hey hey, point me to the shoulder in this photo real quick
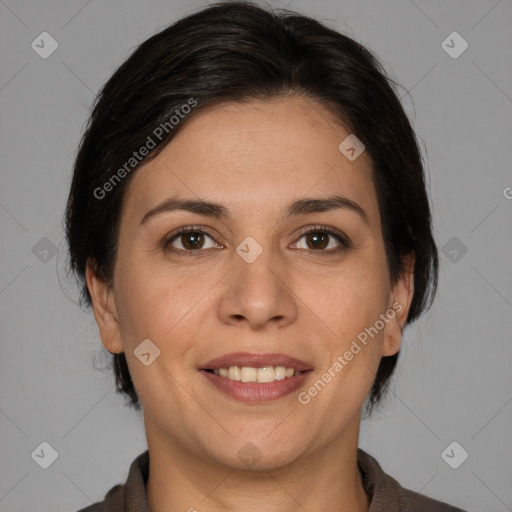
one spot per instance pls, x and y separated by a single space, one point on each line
386 494
130 496
415 502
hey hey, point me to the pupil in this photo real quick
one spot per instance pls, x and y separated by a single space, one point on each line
192 240
318 237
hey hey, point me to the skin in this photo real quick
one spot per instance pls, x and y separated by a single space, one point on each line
254 158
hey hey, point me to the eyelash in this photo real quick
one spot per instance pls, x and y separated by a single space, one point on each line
342 239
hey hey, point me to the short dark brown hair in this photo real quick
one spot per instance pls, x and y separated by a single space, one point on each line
237 51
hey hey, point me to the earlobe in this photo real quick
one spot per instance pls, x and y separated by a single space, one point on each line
400 303
104 308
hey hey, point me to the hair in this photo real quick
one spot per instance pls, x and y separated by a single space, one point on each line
236 52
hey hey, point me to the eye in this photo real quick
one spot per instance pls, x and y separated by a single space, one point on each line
189 239
321 238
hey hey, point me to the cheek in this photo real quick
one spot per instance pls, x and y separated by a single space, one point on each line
350 298
143 300
156 301
350 304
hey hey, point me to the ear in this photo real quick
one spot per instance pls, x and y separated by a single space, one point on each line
400 303
104 308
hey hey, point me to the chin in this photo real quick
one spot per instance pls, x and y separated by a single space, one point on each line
261 455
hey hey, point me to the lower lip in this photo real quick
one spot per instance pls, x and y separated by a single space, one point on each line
257 391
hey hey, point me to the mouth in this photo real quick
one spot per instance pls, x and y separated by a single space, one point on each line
256 377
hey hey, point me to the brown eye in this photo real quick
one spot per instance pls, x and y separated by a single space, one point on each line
189 240
317 240
192 240
323 240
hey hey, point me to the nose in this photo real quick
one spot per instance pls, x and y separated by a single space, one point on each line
258 293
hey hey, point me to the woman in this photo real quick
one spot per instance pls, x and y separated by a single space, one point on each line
249 220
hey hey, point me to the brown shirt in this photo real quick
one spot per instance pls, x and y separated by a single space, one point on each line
386 494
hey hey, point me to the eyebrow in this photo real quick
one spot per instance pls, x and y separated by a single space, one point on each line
303 206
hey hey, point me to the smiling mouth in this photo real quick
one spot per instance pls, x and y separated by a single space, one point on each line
263 375
256 385
256 377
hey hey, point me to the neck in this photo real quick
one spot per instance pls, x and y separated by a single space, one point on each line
328 480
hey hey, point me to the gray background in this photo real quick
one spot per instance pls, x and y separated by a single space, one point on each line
453 382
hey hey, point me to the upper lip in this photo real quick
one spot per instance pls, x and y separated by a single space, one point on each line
254 360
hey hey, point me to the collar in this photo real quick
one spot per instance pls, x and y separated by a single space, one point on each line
385 493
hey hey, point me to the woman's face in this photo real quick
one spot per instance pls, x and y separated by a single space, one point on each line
249 284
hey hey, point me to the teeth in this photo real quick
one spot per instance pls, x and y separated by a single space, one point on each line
233 373
280 372
266 374
249 374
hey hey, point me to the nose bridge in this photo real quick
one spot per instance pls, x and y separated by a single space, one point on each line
256 271
257 290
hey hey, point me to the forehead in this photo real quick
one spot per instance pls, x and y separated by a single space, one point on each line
255 155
